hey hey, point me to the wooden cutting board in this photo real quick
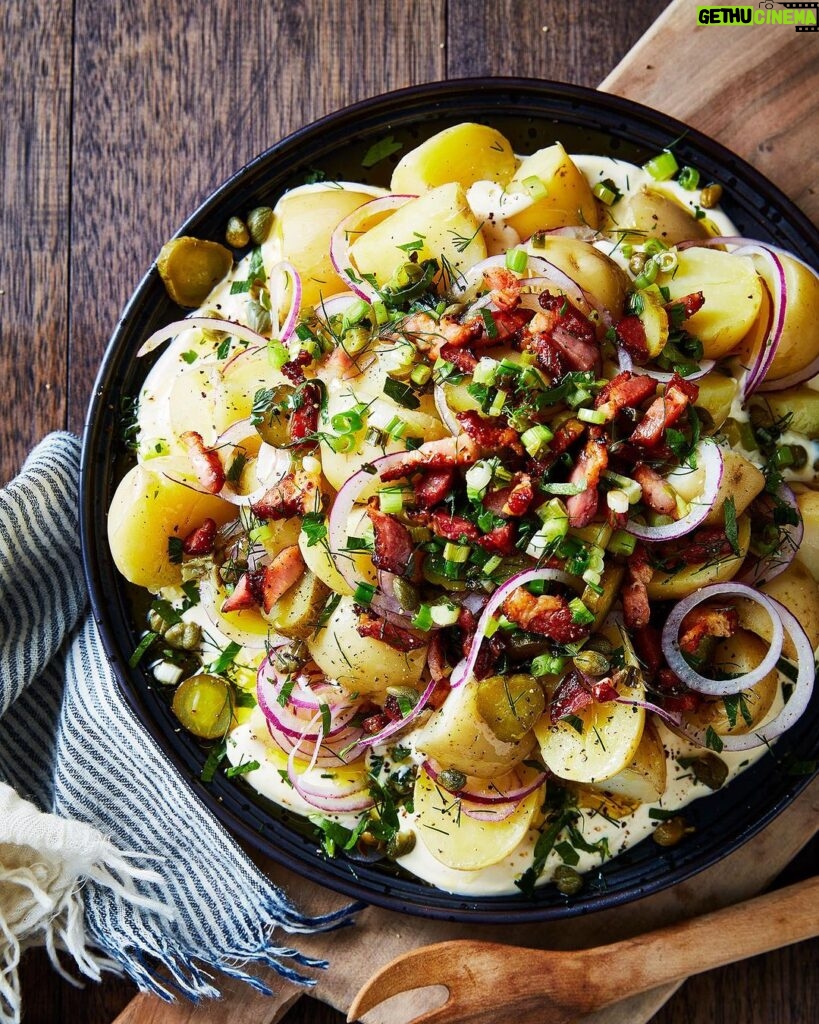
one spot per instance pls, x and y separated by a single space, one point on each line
753 89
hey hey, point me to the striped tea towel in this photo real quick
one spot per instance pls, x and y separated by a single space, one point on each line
109 856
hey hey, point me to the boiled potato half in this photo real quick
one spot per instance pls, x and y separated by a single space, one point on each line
460 841
732 291
650 213
568 198
643 780
665 586
798 591
595 272
808 554
149 508
440 219
465 153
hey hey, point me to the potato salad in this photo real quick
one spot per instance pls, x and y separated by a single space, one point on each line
479 515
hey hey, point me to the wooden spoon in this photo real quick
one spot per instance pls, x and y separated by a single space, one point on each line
544 987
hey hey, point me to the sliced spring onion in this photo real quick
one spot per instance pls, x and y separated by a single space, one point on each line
517 260
663 166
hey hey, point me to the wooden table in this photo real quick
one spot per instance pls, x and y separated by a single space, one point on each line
119 117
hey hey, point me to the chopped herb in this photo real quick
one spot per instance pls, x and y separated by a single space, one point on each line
314 527
415 245
461 242
712 740
660 814
286 690
234 473
190 356
241 769
190 589
401 393
489 323
567 853
335 836
243 699
729 512
214 759
380 150
314 177
141 648
166 611
327 611
574 721
175 550
226 658
326 719
543 847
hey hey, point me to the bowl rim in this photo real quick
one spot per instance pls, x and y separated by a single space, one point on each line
379 111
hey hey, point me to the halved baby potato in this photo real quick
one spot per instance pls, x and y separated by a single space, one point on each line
568 198
643 780
594 271
650 213
672 586
465 153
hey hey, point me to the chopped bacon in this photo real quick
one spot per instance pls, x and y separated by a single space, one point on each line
508 325
206 463
453 527
649 649
294 495
572 695
264 586
604 690
433 487
200 541
394 550
634 594
436 658
500 541
449 451
708 544
563 326
304 419
294 369
490 434
664 411
388 633
429 334
549 615
682 702
375 723
513 500
592 461
504 287
626 390
706 620
691 304
656 492
565 436
461 358
632 336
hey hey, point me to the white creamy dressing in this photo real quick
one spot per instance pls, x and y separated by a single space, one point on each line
250 740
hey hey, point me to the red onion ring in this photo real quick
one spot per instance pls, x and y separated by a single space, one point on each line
339 804
799 698
390 730
711 457
211 605
205 323
514 796
762 360
447 415
340 244
336 304
720 687
463 670
290 723
282 270
771 565
272 465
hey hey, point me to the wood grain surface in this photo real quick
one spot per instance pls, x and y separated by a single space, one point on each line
120 117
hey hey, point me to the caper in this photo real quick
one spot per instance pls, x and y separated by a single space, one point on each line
710 196
708 769
236 233
406 594
203 706
510 705
591 663
259 223
273 425
451 780
401 844
637 262
671 831
403 693
258 318
208 334
190 267
185 636
567 880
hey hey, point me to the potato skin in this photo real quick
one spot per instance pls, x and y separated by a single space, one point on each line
595 272
568 199
465 153
651 212
808 554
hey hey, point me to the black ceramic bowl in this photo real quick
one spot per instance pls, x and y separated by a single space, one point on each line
531 114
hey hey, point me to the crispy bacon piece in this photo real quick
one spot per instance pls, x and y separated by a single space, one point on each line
708 544
626 390
294 495
294 369
264 586
433 487
691 304
394 550
657 494
513 500
649 649
388 633
461 358
592 461
706 620
449 451
200 541
560 326
682 702
453 527
664 411
430 335
504 287
206 463
549 615
565 436
500 541
304 419
571 696
634 594
490 434
436 658
632 336
509 323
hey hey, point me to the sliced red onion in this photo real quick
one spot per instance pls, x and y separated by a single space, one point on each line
340 240
289 721
237 432
205 323
447 415
239 358
277 278
500 812
797 377
762 360
770 566
337 304
463 670
797 702
253 641
513 796
710 456
327 755
397 726
272 465
349 802
720 687
673 718
343 506
664 376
